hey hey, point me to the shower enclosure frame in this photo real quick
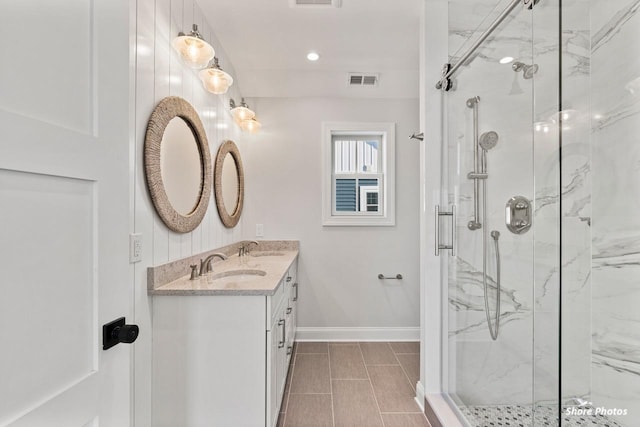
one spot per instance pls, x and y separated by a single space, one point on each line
432 388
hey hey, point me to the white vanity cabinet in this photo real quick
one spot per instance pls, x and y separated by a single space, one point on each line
222 360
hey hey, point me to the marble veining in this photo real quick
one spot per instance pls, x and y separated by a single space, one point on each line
549 195
599 262
612 28
615 354
628 108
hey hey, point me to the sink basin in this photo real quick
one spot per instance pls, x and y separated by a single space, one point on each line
266 253
237 276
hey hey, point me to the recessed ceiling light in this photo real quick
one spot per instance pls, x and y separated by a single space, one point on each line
506 60
313 56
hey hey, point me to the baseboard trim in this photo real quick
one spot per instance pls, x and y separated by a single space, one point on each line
358 334
420 395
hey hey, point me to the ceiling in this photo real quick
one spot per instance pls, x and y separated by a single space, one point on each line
267 41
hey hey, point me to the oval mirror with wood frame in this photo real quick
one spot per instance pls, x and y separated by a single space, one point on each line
228 184
178 164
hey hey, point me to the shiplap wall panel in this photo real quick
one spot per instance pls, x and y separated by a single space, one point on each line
160 73
161 76
144 102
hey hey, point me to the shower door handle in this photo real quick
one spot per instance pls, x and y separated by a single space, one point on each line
440 246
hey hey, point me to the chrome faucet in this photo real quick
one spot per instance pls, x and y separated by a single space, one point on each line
244 249
205 266
248 246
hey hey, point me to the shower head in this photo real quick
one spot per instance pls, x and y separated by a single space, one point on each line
488 140
527 70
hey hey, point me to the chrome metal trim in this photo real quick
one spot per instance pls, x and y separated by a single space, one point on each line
518 215
444 82
453 230
419 136
283 323
437 216
396 277
477 172
477 175
438 245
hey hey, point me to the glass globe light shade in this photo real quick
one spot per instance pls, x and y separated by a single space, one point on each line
250 125
242 112
215 80
193 49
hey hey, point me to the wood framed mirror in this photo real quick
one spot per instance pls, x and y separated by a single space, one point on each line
228 184
177 164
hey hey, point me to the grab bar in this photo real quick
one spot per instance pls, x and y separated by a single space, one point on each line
396 277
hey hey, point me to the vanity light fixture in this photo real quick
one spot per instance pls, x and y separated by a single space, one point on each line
214 79
193 49
251 125
242 112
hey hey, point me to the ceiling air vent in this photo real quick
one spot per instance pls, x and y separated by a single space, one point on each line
315 3
361 79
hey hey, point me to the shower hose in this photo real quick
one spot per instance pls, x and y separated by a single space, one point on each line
494 324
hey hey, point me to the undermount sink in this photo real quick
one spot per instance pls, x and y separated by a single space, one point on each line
266 253
238 275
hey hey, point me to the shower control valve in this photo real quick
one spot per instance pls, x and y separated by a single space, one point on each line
518 215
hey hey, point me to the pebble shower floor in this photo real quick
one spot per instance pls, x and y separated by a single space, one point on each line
521 416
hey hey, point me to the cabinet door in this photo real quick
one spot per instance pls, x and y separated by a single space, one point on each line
273 398
282 352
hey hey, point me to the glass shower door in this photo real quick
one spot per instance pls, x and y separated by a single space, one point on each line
500 171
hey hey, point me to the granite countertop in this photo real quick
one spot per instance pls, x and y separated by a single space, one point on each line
263 271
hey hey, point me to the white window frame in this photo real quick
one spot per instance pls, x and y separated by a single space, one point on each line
386 199
364 193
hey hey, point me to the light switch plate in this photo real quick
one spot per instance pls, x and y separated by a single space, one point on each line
259 230
135 247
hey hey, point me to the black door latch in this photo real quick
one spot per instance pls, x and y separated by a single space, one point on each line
116 332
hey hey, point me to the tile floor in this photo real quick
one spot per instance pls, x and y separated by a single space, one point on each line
368 384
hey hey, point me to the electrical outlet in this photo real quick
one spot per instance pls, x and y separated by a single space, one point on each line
259 230
135 247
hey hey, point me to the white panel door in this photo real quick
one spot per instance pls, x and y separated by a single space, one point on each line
64 212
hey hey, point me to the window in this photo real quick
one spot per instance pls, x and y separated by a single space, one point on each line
358 168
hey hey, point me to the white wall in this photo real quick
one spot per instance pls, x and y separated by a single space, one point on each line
339 266
159 73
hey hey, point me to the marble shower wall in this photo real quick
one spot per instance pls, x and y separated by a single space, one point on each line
586 196
483 371
524 361
615 91
576 191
